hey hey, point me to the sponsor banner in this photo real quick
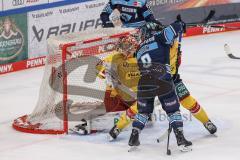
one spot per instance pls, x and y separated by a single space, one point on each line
40 61
194 31
35 2
33 5
61 20
195 11
50 1
186 4
21 65
14 4
13 38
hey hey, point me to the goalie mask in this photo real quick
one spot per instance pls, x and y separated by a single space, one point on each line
127 45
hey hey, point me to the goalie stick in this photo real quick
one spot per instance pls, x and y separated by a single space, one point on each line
228 51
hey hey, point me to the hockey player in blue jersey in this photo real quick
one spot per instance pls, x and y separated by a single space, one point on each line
153 59
133 13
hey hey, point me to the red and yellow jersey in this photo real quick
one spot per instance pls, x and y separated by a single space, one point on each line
126 68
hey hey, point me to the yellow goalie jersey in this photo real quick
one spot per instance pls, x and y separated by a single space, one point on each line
126 72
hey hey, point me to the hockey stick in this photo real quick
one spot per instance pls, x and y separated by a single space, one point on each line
120 85
229 52
130 92
126 89
221 26
169 133
203 22
162 137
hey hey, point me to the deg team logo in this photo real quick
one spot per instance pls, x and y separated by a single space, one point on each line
11 39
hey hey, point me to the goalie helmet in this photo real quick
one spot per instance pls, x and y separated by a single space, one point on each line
127 45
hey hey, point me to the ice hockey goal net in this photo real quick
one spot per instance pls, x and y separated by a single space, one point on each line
69 77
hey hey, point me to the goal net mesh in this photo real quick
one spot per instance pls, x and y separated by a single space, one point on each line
70 78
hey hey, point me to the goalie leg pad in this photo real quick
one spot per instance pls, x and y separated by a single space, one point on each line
127 117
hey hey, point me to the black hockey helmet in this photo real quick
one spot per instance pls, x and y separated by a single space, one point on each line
149 29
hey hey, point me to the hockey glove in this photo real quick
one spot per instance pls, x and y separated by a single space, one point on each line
152 26
108 25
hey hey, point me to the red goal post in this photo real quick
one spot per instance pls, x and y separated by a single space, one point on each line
63 79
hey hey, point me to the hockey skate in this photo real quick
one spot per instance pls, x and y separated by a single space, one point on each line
183 144
134 140
210 127
82 128
113 133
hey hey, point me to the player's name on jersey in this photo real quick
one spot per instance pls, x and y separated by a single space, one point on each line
131 10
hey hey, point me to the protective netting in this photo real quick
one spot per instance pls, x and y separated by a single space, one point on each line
70 78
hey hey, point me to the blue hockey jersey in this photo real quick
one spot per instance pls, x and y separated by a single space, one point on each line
133 13
156 48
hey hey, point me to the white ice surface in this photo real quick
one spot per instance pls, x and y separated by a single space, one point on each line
210 75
